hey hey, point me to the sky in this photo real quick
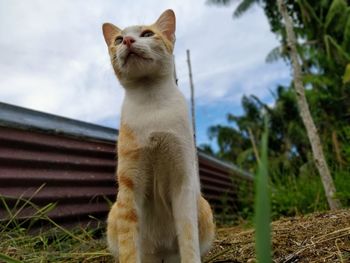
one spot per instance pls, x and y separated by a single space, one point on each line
53 57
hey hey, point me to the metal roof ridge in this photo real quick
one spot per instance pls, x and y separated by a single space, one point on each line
28 119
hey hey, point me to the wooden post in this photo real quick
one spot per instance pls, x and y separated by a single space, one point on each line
193 114
175 75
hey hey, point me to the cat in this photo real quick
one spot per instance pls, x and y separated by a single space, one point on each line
160 215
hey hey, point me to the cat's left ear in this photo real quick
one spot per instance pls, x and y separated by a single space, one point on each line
109 32
166 23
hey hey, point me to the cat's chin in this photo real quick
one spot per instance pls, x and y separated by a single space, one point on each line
134 57
135 70
138 67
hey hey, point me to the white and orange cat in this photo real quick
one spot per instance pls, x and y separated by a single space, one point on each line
160 215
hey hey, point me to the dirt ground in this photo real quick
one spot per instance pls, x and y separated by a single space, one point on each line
320 237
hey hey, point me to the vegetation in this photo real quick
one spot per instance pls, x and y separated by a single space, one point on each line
323 32
23 241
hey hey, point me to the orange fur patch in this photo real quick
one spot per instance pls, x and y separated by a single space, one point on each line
130 216
121 205
126 199
125 132
112 51
124 230
124 180
128 257
129 153
127 144
127 252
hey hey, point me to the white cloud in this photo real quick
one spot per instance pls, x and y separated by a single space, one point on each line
54 59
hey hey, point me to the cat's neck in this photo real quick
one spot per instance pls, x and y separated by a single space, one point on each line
150 90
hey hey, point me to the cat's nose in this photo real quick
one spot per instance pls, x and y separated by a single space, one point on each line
128 41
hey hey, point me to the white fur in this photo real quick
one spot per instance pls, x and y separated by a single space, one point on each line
162 108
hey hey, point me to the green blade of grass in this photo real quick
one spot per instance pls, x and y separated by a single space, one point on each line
262 205
13 216
8 259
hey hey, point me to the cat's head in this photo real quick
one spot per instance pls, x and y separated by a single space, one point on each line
139 52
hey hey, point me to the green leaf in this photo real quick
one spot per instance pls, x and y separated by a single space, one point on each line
337 9
262 205
308 10
346 41
346 77
324 3
243 7
8 259
340 51
326 43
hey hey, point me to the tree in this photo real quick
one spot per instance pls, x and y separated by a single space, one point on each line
323 31
305 114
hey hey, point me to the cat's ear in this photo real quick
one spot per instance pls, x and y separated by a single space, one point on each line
166 23
109 32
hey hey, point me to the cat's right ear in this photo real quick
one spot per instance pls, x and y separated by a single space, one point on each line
109 32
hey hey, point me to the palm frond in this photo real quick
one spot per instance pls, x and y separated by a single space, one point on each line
274 55
219 2
243 7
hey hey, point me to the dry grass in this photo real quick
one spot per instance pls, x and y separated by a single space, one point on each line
320 237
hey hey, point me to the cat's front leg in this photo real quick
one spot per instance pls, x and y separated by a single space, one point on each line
186 223
128 228
179 164
122 228
129 204
112 232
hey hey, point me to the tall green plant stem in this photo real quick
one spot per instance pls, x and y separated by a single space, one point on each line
262 205
305 114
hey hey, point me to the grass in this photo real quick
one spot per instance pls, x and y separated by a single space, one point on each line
22 240
53 245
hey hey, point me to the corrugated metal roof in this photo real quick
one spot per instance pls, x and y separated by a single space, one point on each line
74 162
18 117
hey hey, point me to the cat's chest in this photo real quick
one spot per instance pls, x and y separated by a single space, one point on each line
146 118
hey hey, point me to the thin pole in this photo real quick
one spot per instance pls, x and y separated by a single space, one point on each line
175 75
193 114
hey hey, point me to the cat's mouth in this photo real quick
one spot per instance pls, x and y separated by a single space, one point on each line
132 55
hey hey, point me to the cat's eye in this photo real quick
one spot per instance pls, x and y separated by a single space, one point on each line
147 33
118 40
